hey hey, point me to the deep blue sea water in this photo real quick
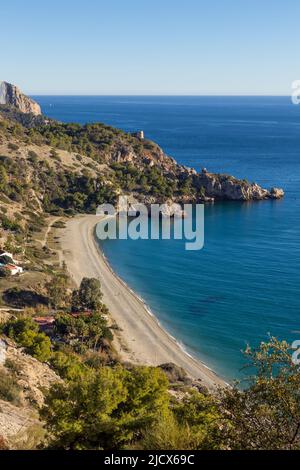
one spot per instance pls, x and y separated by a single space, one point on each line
245 283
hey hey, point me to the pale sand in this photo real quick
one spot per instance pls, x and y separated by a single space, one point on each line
143 340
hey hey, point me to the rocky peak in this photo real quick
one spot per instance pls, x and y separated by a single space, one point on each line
12 96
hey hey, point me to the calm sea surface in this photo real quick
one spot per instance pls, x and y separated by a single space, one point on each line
245 283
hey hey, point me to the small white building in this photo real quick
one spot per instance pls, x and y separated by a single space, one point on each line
139 134
13 269
8 255
5 253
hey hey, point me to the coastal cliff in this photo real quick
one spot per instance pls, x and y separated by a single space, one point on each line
118 163
12 96
192 186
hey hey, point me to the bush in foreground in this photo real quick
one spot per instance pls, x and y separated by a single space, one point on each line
9 388
114 408
106 408
26 334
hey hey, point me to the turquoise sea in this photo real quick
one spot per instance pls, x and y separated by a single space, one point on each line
245 282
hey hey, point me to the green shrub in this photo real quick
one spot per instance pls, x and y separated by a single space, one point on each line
13 366
37 345
9 224
105 408
67 365
88 296
90 331
33 157
9 388
26 334
54 155
12 146
59 224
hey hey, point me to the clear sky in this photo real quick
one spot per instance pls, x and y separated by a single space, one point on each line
151 46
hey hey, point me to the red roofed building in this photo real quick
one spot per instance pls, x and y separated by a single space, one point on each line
46 324
13 269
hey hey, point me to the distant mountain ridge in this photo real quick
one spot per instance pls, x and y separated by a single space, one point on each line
12 95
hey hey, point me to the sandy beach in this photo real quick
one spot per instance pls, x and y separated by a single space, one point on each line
141 339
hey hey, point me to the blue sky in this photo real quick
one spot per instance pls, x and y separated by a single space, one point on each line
151 46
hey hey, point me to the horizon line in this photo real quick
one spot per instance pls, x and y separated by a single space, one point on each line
159 94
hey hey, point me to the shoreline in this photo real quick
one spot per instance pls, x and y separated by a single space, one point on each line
149 312
140 339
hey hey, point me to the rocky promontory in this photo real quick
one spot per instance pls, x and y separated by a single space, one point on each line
204 186
222 186
130 164
11 95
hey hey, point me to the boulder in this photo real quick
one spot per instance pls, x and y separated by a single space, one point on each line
276 193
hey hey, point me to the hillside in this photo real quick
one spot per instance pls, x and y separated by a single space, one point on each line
110 161
23 382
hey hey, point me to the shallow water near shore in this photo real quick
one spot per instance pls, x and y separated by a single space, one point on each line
245 282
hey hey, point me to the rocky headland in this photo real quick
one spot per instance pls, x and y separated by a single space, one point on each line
12 96
122 163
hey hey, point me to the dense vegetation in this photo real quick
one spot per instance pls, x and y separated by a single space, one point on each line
94 140
111 408
26 334
150 181
104 144
62 190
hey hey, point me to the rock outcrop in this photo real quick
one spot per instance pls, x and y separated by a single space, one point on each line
20 428
12 96
220 186
211 186
34 377
20 425
276 193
